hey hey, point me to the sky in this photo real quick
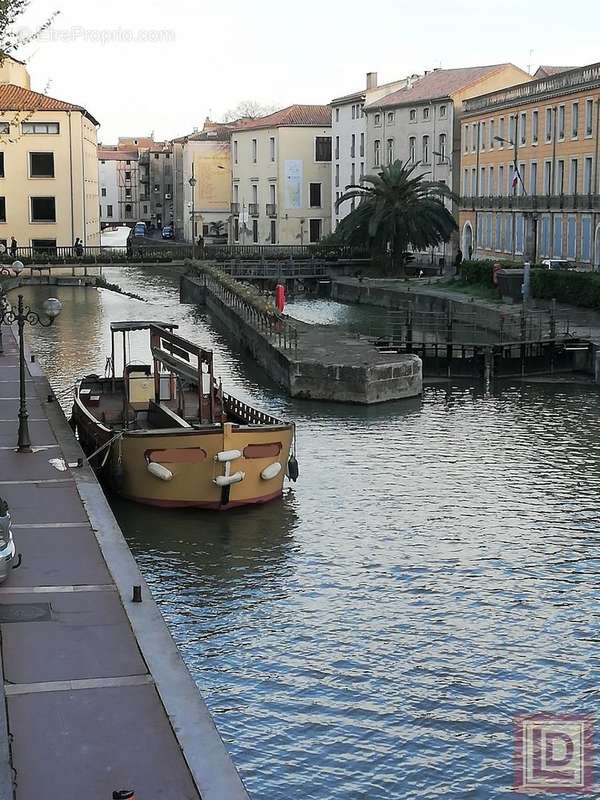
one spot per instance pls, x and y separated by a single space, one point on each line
150 66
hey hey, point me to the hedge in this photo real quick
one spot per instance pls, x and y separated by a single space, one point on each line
482 271
574 288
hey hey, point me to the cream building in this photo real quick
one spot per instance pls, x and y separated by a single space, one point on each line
281 177
120 187
204 156
48 166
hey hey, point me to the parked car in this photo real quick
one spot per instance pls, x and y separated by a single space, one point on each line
139 229
168 232
557 263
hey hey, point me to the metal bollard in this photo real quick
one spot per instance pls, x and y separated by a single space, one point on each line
137 594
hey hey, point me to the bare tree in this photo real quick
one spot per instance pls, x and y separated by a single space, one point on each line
248 109
10 37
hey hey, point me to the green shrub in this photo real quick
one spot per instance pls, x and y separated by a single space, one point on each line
575 288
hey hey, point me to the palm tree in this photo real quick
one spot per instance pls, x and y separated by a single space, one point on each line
397 209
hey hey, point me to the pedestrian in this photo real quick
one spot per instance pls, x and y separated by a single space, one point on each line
129 247
13 247
470 252
458 260
78 247
201 246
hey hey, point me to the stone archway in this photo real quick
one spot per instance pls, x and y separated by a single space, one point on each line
467 240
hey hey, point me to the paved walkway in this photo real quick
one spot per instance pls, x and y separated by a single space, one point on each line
87 675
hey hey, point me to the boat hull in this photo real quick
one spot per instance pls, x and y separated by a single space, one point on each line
189 467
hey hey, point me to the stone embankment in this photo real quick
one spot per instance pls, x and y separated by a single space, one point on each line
316 362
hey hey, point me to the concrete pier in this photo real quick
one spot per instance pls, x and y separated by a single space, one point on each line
323 363
96 696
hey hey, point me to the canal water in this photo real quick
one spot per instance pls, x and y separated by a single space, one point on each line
432 575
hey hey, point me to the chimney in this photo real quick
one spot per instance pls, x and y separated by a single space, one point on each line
371 80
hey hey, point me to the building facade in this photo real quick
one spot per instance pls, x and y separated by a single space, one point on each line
120 187
349 131
421 124
530 184
48 166
281 177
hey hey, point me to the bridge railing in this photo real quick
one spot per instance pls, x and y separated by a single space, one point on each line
97 255
281 252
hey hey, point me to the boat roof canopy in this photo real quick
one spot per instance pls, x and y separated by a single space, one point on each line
140 325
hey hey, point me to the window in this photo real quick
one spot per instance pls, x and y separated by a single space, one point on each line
491 126
466 183
127 162
412 149
474 182
43 209
523 128
145 211
40 127
426 149
575 120
482 182
353 174
353 112
560 177
128 176
512 121
272 192
466 136
586 238
377 119
412 115
314 193
390 117
103 191
235 151
362 145
236 193
337 147
362 169
205 230
255 194
43 244
377 152
587 176
426 112
535 121
442 148
492 188
501 131
390 151
442 111
337 115
109 211
128 192
315 230
547 177
128 210
167 155
156 156
501 180
323 148
589 117
255 231
236 229
273 236
4 127
2 209
571 230
533 178
573 176
561 122
254 150
272 148
337 174
353 146
548 129
482 135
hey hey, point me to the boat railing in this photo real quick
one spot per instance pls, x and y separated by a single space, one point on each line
243 411
271 324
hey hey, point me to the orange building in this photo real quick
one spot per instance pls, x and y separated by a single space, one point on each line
529 169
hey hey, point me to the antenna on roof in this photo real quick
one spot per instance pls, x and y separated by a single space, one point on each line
529 66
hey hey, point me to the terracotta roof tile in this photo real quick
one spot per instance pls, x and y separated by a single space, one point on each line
112 154
546 71
16 98
292 116
439 83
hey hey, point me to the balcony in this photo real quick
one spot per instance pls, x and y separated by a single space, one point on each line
253 209
235 208
271 210
536 202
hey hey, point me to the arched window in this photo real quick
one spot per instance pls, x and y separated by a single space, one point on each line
412 149
426 149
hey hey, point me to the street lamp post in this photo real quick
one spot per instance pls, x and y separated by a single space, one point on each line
16 267
23 315
192 182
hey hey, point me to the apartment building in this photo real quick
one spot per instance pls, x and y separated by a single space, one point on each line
48 166
119 177
203 157
530 183
421 123
349 131
281 177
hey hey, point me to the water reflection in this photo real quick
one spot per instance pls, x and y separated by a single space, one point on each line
433 572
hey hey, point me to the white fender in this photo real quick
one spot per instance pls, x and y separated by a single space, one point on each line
229 480
159 471
228 455
270 472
